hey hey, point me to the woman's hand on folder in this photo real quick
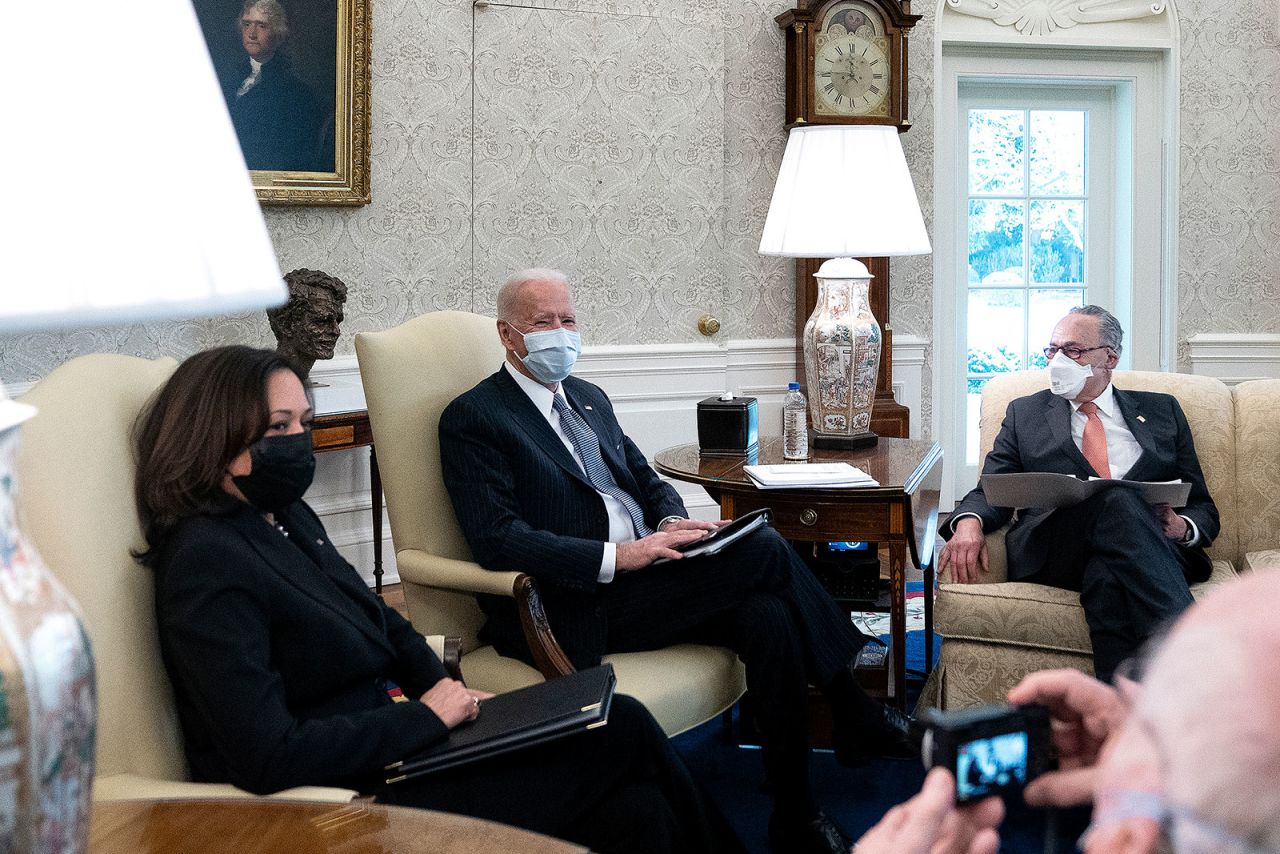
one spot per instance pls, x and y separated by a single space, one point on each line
453 702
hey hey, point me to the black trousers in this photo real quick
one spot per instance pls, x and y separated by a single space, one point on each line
759 599
1132 579
619 789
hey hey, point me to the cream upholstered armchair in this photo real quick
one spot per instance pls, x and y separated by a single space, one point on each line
410 374
996 632
76 468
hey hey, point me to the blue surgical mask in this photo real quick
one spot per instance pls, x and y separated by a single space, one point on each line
552 354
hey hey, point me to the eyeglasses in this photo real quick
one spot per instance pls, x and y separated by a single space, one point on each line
1071 352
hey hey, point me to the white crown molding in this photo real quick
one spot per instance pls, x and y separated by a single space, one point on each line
1042 17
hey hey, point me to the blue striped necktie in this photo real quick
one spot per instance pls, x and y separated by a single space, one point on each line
587 444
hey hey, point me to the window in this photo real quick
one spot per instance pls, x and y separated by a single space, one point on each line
1053 187
1038 215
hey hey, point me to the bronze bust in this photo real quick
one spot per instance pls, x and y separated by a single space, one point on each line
306 327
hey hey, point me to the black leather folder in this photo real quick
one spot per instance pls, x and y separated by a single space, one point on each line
517 719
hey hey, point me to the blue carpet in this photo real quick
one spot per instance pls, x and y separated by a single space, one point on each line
854 798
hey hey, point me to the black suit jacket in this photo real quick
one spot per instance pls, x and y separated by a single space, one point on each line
276 650
279 121
1036 436
524 505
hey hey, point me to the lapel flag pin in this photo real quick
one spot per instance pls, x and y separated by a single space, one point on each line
1142 420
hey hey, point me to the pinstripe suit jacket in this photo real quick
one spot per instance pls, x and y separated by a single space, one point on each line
524 505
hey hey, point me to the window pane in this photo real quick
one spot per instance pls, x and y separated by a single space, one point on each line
1057 152
996 320
1057 242
996 151
995 243
1047 307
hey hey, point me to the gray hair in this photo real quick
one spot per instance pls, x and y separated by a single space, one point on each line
1108 327
276 15
509 295
1211 699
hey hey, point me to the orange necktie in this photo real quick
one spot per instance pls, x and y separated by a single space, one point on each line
1094 445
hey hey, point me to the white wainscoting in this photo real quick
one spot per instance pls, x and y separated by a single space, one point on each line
1235 357
654 389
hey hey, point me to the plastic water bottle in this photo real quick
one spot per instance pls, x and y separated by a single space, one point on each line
795 434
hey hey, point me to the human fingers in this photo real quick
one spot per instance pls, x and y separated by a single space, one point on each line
690 525
963 824
964 564
481 695
1062 788
678 537
985 841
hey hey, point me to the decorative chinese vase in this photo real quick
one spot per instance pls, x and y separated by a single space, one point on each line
48 699
842 357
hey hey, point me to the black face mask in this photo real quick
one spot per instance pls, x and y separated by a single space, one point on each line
283 468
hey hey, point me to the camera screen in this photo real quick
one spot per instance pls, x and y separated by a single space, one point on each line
985 765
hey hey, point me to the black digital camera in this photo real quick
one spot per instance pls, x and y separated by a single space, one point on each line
990 749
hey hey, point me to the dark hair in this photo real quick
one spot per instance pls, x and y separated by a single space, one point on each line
212 408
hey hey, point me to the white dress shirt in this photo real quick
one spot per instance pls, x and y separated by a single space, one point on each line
621 528
1123 449
255 72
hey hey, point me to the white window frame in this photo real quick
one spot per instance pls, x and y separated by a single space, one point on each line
1142 79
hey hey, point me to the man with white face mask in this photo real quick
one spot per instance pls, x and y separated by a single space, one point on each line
1130 562
543 481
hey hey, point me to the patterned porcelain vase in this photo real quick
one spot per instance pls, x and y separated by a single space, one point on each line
841 360
48 701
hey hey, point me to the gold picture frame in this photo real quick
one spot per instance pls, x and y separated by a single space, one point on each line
300 101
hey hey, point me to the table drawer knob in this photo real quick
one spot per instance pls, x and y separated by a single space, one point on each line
809 517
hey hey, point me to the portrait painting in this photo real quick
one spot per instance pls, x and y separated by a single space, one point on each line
295 78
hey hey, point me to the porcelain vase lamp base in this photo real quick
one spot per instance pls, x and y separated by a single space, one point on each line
48 701
842 357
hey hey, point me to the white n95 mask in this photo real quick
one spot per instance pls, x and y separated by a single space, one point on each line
1067 376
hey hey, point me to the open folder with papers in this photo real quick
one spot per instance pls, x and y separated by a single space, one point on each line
809 476
1051 489
522 718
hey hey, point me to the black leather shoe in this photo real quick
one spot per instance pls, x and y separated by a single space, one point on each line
885 734
820 836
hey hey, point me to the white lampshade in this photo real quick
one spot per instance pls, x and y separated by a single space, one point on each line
844 191
127 196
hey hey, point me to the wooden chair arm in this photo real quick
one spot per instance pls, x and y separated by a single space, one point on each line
452 657
419 567
548 657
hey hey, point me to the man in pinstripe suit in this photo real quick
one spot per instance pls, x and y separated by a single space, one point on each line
544 481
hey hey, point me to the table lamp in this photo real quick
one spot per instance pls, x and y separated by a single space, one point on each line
843 191
133 203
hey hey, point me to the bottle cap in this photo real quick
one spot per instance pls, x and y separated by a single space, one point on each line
793 386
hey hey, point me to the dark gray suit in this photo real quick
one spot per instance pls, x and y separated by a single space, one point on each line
524 504
1110 548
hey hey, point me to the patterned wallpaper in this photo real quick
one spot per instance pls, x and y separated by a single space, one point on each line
635 145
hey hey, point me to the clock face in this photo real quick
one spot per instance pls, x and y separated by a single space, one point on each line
851 75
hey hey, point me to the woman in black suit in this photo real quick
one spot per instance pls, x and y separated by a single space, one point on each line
286 669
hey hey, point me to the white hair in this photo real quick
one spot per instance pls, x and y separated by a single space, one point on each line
512 290
1212 701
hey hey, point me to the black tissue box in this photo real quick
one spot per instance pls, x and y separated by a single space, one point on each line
729 427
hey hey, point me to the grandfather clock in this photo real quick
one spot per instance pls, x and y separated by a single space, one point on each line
847 64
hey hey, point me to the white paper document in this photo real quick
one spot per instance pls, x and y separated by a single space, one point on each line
1050 489
809 476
